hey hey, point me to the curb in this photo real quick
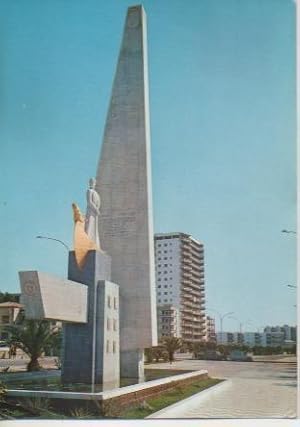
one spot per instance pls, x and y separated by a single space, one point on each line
188 401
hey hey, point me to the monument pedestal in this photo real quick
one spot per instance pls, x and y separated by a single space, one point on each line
91 350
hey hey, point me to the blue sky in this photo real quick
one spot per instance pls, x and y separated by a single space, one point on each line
223 123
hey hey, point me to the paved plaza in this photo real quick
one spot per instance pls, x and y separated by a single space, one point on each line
253 390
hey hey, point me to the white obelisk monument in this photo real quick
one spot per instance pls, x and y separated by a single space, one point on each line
124 184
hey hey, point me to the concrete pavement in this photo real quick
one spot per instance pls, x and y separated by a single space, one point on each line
254 390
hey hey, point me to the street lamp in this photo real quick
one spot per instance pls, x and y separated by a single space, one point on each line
56 240
221 317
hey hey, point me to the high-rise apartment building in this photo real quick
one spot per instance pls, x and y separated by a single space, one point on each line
179 262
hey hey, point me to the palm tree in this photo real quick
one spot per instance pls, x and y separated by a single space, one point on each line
171 344
31 336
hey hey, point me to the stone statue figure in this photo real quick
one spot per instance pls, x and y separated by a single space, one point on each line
82 242
92 213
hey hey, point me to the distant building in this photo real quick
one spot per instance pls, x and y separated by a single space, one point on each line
273 336
179 262
168 321
225 338
289 332
210 329
280 335
9 312
253 339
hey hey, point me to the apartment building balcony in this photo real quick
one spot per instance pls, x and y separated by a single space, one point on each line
187 318
193 285
186 281
195 273
186 310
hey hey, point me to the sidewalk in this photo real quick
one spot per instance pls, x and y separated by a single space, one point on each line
253 390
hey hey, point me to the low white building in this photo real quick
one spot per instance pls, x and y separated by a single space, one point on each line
269 338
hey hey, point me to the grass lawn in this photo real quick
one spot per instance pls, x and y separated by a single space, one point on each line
154 404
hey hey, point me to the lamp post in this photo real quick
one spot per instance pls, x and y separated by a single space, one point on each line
221 317
56 240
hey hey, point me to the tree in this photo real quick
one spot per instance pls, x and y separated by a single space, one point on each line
224 350
171 344
149 354
211 345
198 349
158 353
32 337
53 348
7 297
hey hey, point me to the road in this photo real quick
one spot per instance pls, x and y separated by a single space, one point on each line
253 390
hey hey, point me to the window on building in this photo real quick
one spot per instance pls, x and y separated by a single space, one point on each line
108 324
165 265
108 301
159 286
115 303
165 257
107 346
114 347
115 324
5 319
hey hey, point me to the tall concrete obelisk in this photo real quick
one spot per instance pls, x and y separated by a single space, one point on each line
124 185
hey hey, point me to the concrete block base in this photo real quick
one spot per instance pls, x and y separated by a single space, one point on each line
132 364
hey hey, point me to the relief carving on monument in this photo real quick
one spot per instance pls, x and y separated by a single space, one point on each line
122 225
